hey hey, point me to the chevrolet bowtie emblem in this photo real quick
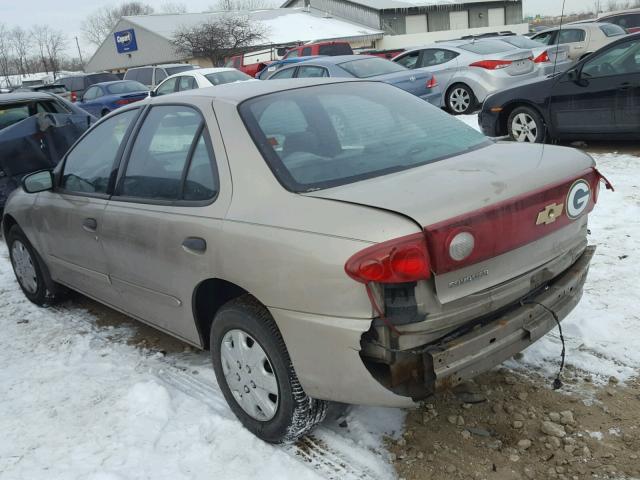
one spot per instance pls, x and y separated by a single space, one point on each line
550 214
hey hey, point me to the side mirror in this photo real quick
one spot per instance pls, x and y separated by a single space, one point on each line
38 181
573 75
153 93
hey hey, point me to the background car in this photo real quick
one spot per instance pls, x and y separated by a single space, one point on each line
270 68
320 48
78 84
200 78
102 98
57 88
581 38
153 75
548 59
469 70
421 84
627 19
36 130
598 98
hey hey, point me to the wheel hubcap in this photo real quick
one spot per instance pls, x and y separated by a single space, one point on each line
249 375
460 100
524 128
23 267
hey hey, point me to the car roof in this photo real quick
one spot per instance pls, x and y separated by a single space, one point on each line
337 59
238 92
163 65
587 25
24 96
618 12
111 82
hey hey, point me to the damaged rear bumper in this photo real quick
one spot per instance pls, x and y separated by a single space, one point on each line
466 355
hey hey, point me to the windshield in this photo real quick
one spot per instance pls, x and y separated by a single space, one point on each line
330 135
180 69
522 42
127 86
230 76
371 67
486 47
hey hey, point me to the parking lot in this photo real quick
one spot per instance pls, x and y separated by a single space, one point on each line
95 395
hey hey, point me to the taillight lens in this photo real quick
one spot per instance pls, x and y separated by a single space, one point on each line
405 259
127 101
432 83
542 58
492 64
74 97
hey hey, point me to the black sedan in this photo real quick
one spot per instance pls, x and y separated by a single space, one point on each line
598 98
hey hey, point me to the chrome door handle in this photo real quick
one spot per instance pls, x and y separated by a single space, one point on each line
90 225
194 244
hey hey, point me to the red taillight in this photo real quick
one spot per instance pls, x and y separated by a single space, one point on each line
492 64
542 58
74 97
127 101
404 259
432 83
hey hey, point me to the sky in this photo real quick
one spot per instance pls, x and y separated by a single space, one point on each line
68 15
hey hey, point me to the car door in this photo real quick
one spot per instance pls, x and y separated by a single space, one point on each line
577 39
71 214
163 223
600 94
442 62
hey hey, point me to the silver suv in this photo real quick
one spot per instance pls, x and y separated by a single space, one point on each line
326 240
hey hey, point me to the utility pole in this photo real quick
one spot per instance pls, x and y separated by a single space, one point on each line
79 52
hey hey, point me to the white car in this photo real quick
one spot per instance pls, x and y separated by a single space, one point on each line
582 38
200 78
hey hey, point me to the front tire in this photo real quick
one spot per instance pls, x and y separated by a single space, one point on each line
525 125
30 271
460 99
256 375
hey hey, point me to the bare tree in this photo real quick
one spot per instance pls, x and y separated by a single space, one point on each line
173 7
54 46
226 35
238 5
101 22
39 34
21 45
5 54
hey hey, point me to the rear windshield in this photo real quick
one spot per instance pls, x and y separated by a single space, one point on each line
329 135
180 69
611 30
51 88
522 42
371 67
486 47
219 78
127 86
337 49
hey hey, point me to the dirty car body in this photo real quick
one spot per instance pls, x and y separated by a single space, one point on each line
395 249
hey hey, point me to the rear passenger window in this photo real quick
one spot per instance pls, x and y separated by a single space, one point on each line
167 139
160 75
87 168
312 72
145 76
187 83
571 36
306 51
201 182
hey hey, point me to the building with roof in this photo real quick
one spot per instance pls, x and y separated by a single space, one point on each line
147 39
422 21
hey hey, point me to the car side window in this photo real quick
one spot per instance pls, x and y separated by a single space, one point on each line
547 38
145 76
187 82
201 182
167 87
410 60
306 51
433 56
160 153
91 94
292 54
312 72
622 59
572 35
284 73
160 75
88 166
77 84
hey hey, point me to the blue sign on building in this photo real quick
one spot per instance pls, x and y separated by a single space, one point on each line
126 41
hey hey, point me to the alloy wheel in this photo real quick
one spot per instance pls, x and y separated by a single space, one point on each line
524 128
249 375
460 100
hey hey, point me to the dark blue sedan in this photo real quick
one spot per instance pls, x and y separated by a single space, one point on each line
420 83
102 98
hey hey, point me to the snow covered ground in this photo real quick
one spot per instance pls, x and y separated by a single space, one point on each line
79 402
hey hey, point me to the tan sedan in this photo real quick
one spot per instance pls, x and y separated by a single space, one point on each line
327 240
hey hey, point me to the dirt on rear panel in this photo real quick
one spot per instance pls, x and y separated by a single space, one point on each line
524 430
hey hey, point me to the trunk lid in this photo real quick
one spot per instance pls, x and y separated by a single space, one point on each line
497 194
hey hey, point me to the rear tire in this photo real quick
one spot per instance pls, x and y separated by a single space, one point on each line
526 125
256 375
460 100
30 271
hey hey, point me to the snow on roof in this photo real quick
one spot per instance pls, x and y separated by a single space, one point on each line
401 4
282 25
